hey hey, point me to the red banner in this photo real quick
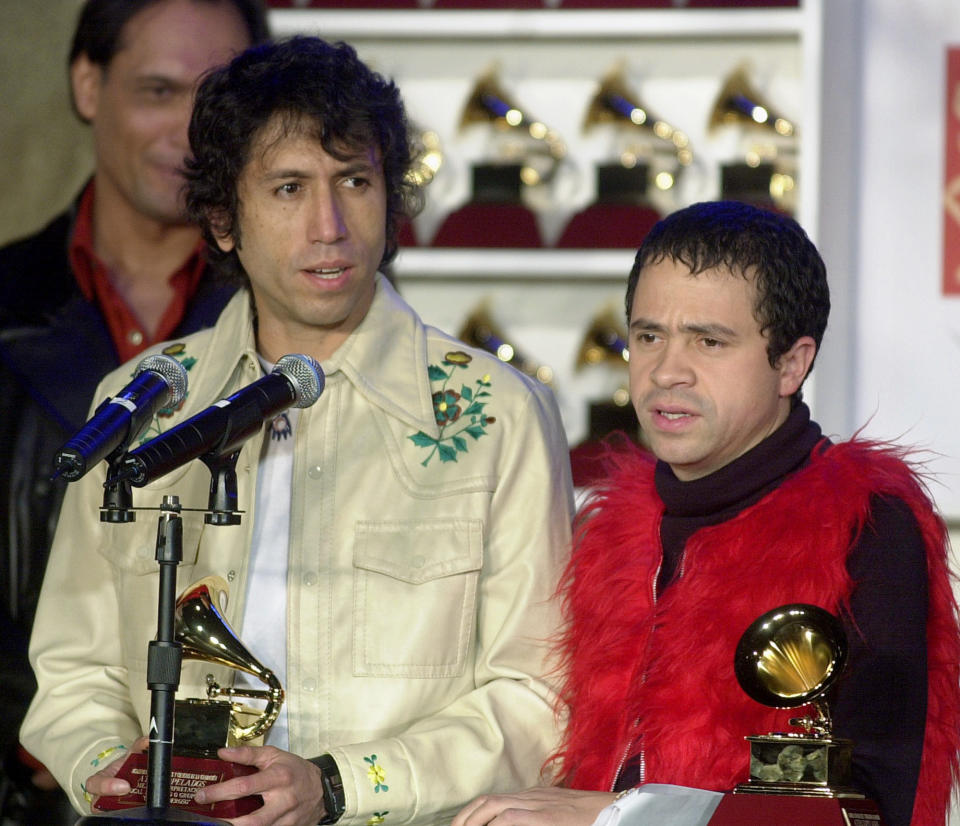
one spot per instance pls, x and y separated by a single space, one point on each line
951 177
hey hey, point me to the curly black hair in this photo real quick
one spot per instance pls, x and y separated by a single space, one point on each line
792 296
309 84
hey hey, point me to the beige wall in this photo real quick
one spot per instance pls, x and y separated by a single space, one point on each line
44 150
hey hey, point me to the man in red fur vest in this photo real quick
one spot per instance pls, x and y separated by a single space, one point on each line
744 506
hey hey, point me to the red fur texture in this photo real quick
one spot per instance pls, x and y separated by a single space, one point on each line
658 676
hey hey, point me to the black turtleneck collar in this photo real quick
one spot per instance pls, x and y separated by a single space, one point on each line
722 494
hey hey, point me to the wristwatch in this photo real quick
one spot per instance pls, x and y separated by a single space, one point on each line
333 798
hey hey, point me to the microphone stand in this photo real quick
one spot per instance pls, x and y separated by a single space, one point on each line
164 656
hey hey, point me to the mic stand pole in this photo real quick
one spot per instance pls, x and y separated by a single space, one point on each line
163 677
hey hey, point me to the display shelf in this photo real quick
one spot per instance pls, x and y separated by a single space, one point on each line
534 265
550 24
550 61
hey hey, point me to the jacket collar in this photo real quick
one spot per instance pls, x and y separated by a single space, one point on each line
385 358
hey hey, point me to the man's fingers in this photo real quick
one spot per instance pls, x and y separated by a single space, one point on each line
465 817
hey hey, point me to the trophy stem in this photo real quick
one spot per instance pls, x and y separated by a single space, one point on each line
164 658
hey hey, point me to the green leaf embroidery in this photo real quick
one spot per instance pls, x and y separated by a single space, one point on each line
452 418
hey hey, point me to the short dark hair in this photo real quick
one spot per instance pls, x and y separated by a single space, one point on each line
100 25
311 85
793 299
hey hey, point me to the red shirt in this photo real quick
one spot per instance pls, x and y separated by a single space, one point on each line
92 277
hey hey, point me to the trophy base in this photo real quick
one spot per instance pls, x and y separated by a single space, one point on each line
149 817
187 775
787 810
796 789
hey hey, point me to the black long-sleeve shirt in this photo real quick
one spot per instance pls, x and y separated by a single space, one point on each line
880 702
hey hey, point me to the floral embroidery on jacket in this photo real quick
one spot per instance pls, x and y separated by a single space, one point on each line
377 818
463 409
377 774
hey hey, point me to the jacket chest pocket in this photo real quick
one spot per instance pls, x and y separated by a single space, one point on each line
131 551
415 594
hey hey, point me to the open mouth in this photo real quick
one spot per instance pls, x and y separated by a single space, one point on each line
328 273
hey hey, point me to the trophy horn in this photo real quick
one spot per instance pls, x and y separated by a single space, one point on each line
615 103
479 330
790 657
489 103
206 636
604 341
739 103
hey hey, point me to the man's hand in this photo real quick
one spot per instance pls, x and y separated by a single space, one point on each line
105 783
289 785
546 806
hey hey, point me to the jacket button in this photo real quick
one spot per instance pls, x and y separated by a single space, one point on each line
231 576
310 578
315 472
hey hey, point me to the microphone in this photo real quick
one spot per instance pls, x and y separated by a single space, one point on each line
296 381
160 381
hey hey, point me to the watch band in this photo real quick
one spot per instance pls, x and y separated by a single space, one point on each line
333 798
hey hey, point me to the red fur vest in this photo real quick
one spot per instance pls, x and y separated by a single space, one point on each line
663 668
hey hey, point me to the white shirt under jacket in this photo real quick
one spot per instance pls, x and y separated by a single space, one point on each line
422 559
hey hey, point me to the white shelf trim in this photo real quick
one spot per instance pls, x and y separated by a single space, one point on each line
516 264
426 24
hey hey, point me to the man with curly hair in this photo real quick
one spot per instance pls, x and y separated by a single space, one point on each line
401 537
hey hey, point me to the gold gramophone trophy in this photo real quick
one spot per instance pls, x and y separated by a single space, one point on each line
767 170
616 103
479 330
790 657
201 726
526 139
605 344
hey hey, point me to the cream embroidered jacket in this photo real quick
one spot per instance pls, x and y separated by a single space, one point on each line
430 514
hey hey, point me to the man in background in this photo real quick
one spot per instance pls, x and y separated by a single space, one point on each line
119 270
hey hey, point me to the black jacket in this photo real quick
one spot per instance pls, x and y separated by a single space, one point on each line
54 349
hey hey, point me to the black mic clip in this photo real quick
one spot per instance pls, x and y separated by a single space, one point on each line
117 507
222 505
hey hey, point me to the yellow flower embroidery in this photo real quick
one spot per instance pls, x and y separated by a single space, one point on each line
377 774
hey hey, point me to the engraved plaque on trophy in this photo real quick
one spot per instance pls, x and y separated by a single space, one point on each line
790 657
201 726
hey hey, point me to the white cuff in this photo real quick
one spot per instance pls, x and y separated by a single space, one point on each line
661 804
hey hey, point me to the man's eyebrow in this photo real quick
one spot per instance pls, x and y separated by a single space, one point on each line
646 324
712 329
286 172
151 76
350 168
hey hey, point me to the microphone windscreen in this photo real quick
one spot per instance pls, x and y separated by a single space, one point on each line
306 376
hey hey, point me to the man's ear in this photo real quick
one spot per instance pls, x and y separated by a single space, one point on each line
795 364
85 79
218 228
